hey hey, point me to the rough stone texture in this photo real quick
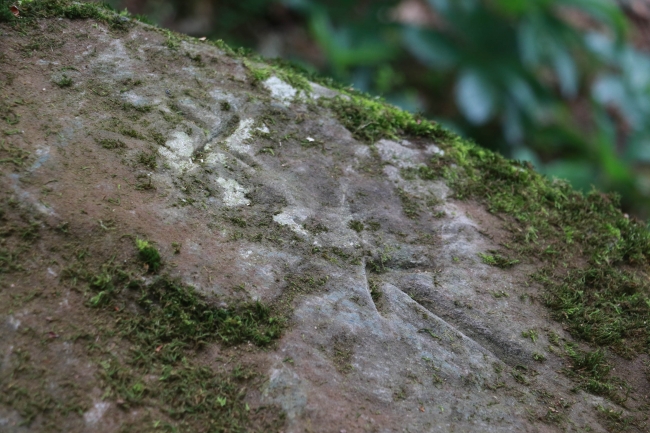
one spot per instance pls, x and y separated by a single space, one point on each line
398 327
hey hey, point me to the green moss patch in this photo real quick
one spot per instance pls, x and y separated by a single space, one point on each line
599 290
149 255
371 120
140 340
494 258
603 305
33 9
262 72
592 372
596 258
170 324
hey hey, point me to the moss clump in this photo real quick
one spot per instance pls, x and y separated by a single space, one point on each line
148 159
497 259
259 73
34 9
410 204
371 120
157 137
601 289
64 81
593 374
13 154
170 322
174 313
357 226
108 143
603 305
149 255
556 218
423 172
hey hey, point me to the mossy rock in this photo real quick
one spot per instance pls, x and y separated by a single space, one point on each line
195 239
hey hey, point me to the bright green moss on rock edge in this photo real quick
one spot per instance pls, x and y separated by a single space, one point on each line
32 9
595 258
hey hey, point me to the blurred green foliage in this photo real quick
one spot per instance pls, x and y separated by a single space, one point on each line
554 82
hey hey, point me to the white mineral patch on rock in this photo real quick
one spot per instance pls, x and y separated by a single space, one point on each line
362 151
287 219
136 100
433 149
94 415
393 173
233 194
216 157
280 90
397 153
43 154
237 140
178 150
221 95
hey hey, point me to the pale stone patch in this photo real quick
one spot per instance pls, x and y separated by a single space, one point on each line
280 90
392 173
13 322
319 91
96 413
286 219
178 150
285 386
237 140
433 149
233 194
114 60
362 151
136 100
397 153
29 198
43 154
215 157
41 62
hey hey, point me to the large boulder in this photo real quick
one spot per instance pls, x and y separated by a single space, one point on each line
195 240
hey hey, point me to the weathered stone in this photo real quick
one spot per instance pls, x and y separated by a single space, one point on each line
395 324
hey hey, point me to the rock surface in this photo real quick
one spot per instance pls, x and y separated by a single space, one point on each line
253 189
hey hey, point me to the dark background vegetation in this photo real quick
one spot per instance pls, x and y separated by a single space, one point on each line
564 84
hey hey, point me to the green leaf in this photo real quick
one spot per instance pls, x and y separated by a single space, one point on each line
566 71
430 48
475 97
